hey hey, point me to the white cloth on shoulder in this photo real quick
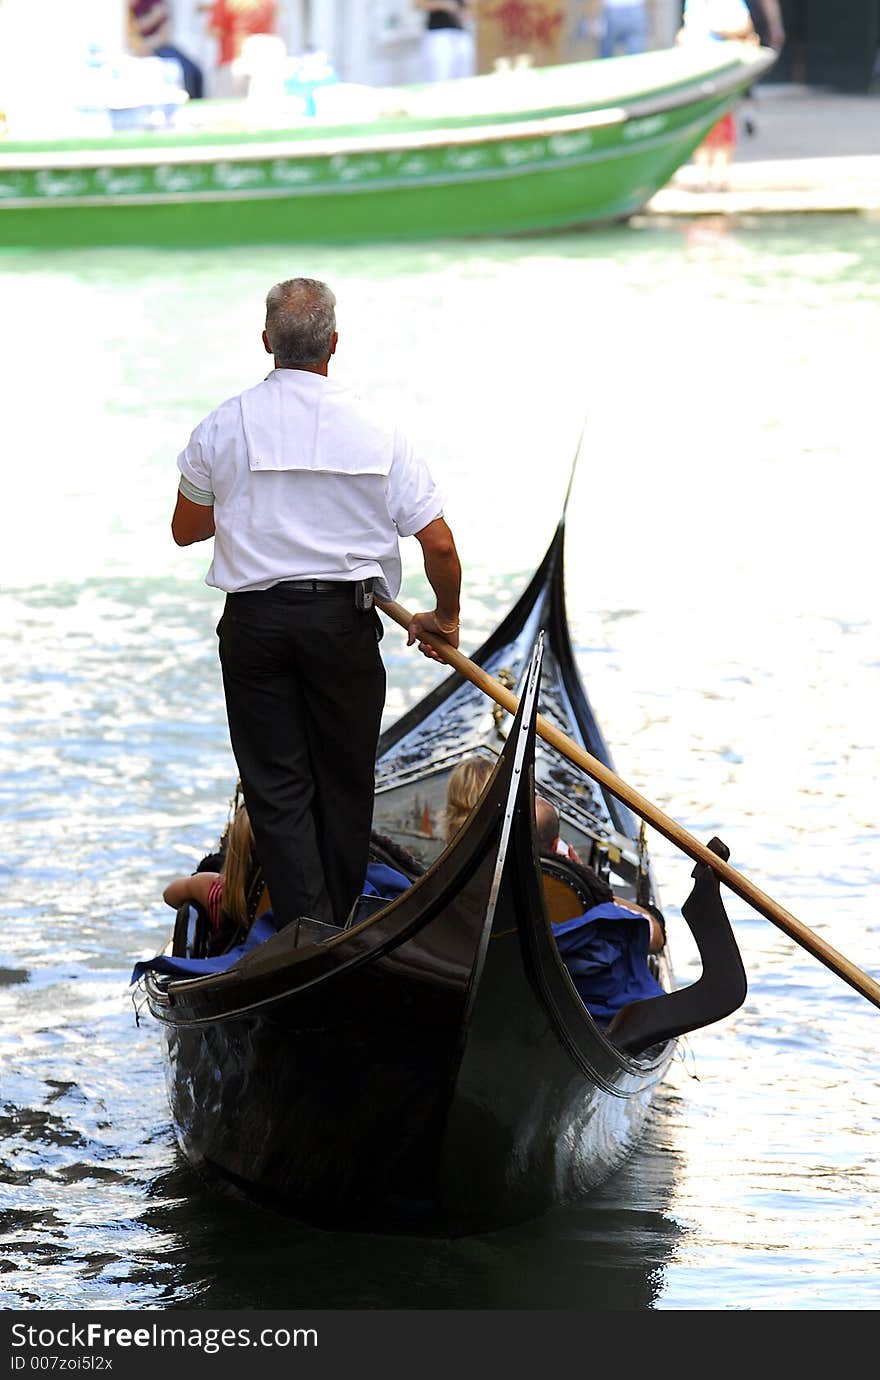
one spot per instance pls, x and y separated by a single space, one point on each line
308 422
307 484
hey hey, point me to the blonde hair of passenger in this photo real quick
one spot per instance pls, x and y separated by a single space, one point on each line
237 866
463 791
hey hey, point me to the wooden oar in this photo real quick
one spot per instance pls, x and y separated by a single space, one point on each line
649 812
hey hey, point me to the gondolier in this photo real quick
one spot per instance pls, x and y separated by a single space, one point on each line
307 493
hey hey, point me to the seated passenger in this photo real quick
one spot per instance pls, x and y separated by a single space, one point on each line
222 895
463 791
550 844
606 953
547 828
606 948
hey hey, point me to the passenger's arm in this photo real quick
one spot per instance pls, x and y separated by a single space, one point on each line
443 570
657 938
194 888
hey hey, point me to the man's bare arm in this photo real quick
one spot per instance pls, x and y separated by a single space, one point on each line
443 570
191 521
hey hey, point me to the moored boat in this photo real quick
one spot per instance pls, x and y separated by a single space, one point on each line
432 1065
536 150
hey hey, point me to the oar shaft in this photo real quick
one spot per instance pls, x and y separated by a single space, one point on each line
646 810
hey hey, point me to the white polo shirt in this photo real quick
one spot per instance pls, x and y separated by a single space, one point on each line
306 484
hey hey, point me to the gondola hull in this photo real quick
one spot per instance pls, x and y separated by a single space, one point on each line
372 1093
346 1082
433 1067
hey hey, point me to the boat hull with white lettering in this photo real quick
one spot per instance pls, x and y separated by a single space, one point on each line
544 149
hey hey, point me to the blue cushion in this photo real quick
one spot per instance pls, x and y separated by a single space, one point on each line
606 953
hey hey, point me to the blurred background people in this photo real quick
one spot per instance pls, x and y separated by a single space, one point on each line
624 27
230 22
448 49
149 35
768 22
716 21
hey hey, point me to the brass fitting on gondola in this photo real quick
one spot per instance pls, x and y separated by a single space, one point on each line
643 889
506 677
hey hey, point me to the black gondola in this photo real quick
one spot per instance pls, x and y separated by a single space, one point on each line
432 1065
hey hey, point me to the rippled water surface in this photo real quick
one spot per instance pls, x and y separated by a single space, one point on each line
723 592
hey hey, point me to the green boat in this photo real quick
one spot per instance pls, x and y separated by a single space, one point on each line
530 150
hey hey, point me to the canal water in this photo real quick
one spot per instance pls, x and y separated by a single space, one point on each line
723 593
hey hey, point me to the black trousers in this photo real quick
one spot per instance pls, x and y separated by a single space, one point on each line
305 688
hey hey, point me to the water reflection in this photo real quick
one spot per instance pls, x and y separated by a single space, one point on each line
610 1253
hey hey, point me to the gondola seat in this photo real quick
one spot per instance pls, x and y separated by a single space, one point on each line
569 888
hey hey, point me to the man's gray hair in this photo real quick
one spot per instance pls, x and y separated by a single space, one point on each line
300 321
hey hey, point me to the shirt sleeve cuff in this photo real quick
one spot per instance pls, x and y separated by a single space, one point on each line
429 513
203 497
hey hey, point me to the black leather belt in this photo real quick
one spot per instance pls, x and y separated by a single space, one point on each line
361 591
320 586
